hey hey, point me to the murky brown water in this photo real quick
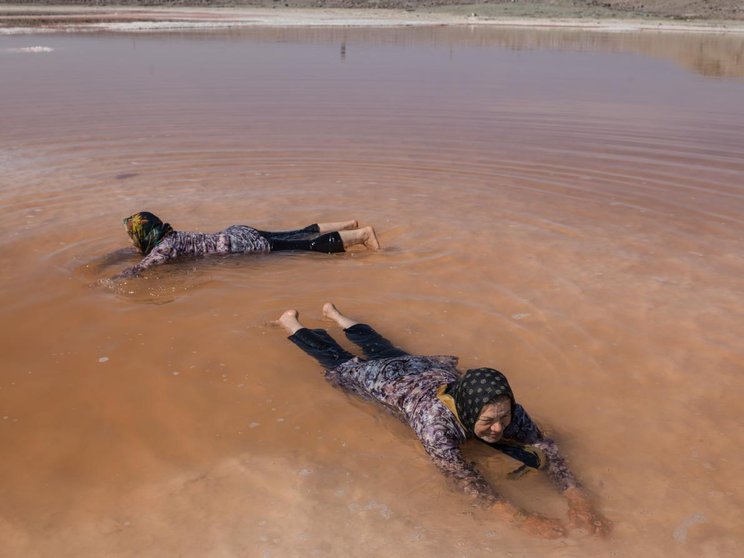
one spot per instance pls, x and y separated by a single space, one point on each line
567 207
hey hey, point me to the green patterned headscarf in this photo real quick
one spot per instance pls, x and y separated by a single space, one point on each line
146 230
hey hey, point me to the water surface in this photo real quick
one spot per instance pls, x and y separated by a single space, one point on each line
567 207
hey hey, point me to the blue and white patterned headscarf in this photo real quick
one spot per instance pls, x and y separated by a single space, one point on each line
476 388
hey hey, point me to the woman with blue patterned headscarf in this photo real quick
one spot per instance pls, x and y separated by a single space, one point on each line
445 408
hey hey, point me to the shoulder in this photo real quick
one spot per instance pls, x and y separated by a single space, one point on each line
522 427
166 244
437 426
441 362
171 238
439 365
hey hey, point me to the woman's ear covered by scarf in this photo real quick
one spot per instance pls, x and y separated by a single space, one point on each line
476 388
146 230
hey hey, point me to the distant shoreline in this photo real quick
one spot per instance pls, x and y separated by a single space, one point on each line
679 10
23 18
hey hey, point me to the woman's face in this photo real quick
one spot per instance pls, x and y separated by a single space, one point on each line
493 420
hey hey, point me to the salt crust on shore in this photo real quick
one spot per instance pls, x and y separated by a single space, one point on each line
179 19
33 49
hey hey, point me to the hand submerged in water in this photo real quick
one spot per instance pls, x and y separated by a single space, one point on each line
106 283
112 283
541 526
582 515
535 524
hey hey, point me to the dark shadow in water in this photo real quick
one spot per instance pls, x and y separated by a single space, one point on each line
117 257
162 284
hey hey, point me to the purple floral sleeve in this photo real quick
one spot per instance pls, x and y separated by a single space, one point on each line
523 430
159 255
442 438
556 467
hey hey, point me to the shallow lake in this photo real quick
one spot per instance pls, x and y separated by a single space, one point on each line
565 206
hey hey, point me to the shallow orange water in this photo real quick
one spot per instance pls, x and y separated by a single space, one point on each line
567 207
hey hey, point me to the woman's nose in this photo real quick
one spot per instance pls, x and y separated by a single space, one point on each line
496 427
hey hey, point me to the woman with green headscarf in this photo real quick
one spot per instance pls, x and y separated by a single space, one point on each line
445 408
160 243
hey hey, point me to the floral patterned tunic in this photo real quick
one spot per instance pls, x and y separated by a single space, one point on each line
409 387
236 239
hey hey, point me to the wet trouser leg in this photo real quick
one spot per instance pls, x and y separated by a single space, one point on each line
328 243
299 234
372 343
321 346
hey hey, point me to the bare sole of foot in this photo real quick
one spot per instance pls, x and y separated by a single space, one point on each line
370 239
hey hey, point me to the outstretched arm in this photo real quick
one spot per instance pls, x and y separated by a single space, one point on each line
583 515
468 479
581 512
159 255
163 252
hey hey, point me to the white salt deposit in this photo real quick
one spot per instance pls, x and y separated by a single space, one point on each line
34 49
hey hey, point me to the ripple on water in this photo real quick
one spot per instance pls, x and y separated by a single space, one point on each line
569 214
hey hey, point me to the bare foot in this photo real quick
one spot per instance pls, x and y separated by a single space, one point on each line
338 226
370 239
365 235
331 312
289 321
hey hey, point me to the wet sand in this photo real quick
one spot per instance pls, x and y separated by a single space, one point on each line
559 205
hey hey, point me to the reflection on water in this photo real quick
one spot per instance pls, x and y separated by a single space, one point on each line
559 205
707 53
